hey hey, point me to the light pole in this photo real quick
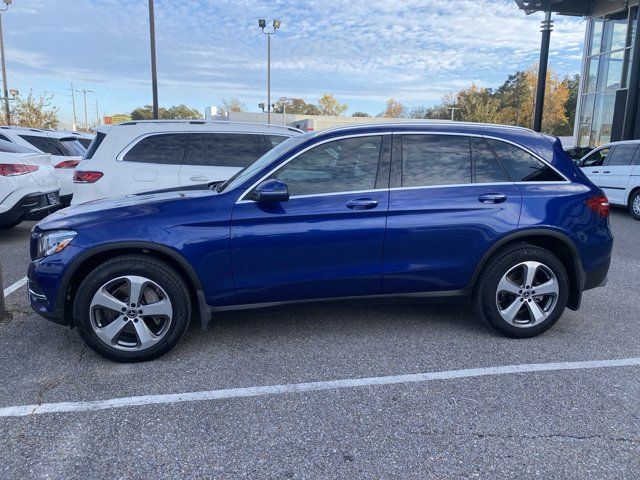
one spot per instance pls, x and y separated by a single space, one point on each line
154 76
5 88
547 27
86 119
262 23
453 111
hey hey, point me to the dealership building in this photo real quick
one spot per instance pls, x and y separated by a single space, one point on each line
610 80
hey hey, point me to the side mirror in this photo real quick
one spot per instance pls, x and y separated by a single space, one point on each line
271 191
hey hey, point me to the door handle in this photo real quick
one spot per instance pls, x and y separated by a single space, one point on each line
198 178
362 203
606 171
595 171
492 198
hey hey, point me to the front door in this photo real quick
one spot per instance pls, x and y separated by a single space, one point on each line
592 164
326 240
616 172
450 199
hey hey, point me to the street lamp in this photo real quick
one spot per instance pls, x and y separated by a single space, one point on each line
5 94
154 75
262 23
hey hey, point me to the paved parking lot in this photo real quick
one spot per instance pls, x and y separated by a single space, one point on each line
552 423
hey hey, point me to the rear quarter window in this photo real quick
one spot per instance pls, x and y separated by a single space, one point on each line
521 166
95 143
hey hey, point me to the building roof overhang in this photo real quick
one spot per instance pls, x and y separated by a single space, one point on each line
563 7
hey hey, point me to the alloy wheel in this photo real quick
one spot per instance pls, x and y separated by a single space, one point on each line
131 313
527 294
636 206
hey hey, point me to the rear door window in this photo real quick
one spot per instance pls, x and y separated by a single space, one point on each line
165 149
522 166
429 160
223 149
486 167
622 155
274 140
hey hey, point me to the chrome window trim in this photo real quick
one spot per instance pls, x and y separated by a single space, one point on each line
412 132
242 198
139 138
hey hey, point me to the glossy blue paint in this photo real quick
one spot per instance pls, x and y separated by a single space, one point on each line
383 241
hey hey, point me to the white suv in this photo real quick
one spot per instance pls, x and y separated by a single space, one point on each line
143 156
615 168
65 150
29 185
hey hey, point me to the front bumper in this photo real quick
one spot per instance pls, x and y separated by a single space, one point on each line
30 207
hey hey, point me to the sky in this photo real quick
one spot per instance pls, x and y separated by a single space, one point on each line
362 51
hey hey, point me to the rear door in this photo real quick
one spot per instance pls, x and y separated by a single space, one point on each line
616 172
450 199
213 157
152 163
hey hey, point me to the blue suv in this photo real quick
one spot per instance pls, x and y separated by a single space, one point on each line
497 214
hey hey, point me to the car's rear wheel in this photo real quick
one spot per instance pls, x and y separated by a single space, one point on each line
634 205
522 291
132 308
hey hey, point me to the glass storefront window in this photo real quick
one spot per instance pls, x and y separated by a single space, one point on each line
592 74
596 36
615 32
614 65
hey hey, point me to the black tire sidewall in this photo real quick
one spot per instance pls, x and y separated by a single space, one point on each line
497 267
151 268
631 200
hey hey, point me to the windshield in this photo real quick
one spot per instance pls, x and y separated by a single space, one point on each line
247 172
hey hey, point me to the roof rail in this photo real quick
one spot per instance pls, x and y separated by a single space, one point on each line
425 123
204 122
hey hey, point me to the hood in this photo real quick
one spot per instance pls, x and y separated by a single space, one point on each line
126 207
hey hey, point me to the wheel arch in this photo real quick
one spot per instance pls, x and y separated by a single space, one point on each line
90 259
557 243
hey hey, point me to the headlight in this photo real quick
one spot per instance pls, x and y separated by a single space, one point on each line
54 242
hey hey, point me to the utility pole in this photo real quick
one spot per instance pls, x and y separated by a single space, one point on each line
453 111
547 27
97 114
73 102
5 88
86 119
154 76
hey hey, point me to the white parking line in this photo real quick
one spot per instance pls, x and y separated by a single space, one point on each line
66 407
12 288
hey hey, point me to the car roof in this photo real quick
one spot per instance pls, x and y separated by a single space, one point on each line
621 142
218 125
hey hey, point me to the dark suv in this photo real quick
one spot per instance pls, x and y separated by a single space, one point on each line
500 214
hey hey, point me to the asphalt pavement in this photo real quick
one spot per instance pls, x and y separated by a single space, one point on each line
549 424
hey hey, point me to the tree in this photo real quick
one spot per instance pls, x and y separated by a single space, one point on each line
329 105
394 109
572 84
35 112
295 106
478 105
183 112
177 112
360 114
231 105
515 96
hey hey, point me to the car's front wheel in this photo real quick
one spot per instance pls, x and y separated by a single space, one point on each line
522 291
132 308
634 205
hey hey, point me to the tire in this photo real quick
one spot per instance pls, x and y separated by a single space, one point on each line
634 205
502 290
132 335
9 226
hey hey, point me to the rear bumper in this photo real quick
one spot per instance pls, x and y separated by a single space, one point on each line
30 207
596 278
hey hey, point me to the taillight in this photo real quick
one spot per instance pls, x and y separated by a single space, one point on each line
86 177
13 169
68 164
599 204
